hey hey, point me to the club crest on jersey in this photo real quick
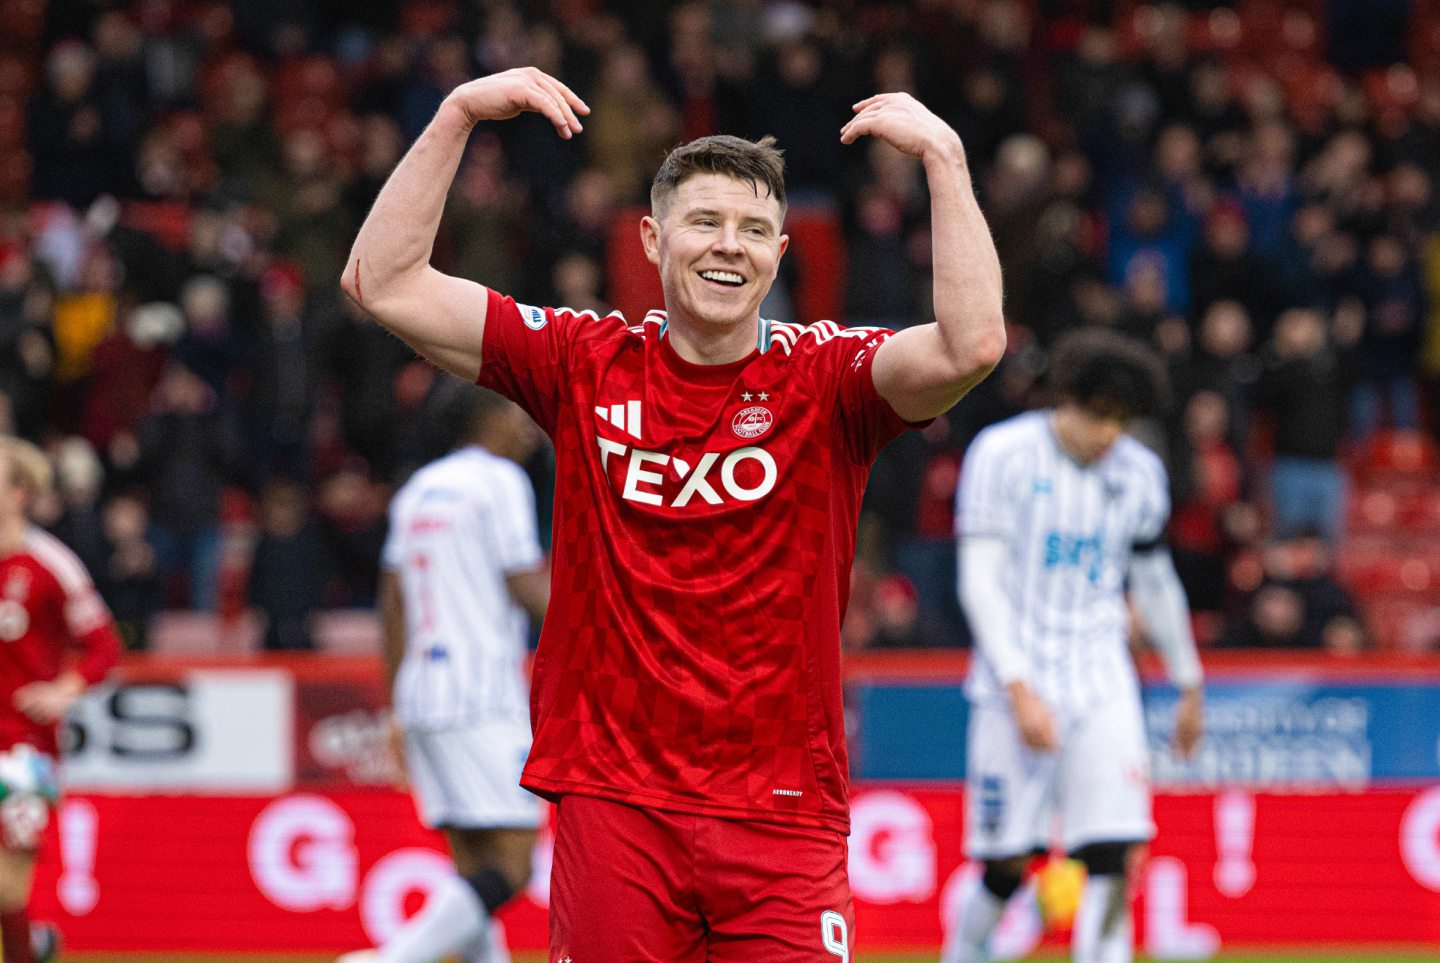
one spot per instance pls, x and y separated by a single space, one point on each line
752 422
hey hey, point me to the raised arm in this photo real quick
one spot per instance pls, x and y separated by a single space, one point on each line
389 272
922 371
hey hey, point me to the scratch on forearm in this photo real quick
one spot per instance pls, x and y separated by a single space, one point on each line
359 295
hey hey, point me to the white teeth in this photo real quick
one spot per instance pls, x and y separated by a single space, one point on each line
724 277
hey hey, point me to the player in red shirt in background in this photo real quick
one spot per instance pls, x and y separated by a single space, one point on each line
686 698
49 608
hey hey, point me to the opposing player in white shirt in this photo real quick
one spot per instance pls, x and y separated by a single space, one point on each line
462 568
1057 511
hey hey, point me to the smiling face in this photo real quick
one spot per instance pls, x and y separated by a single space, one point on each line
717 243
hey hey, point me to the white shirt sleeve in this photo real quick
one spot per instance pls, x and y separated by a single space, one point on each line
992 480
392 554
1155 585
1160 597
1155 509
516 545
984 568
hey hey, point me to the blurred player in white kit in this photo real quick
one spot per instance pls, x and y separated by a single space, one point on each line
463 566
1057 511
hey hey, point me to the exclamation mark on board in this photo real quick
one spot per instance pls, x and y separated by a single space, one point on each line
79 829
1235 843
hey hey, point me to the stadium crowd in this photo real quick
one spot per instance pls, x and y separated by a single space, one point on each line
1250 187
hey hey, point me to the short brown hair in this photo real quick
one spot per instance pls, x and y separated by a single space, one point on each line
759 162
29 468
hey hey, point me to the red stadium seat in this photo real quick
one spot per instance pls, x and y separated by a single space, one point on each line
633 281
818 247
1396 453
1393 575
20 23
1370 510
1420 513
12 122
177 632
15 167
346 632
17 75
1411 625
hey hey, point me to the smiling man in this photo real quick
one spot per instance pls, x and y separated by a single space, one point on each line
686 700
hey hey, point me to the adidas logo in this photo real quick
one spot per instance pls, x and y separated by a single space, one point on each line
626 417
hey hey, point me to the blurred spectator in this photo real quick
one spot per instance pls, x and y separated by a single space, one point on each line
576 281
1224 268
352 523
1224 362
312 228
126 367
27 351
381 147
1016 198
444 65
1307 377
1298 604
631 124
70 137
1390 287
209 345
882 281
186 456
364 361
129 579
1264 184
284 377
121 80
1367 33
1299 262
246 148
83 318
291 567
1088 80
1150 248
804 105
898 621
1212 486
78 479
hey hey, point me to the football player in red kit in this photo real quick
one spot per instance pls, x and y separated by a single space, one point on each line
56 639
686 699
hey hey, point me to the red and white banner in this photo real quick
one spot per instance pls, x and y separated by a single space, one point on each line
326 872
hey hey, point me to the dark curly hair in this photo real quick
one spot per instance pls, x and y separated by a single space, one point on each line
1110 374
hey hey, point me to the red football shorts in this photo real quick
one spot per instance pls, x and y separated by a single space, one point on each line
631 885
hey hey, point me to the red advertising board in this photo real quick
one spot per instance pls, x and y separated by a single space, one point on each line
335 870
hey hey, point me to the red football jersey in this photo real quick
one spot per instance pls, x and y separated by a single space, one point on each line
48 606
704 531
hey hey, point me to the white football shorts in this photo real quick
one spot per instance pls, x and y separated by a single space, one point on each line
470 778
1097 784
